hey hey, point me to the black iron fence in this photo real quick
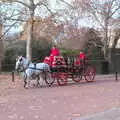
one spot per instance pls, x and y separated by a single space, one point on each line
102 66
7 67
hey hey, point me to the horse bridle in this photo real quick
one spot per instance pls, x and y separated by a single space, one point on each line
22 65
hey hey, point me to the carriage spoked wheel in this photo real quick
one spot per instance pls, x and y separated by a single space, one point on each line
89 74
77 76
62 78
49 78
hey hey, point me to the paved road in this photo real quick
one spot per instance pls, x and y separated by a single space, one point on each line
57 103
112 114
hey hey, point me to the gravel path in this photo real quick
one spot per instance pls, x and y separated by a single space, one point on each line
57 102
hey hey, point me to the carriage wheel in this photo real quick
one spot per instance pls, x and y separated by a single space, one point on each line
89 74
49 78
77 77
62 78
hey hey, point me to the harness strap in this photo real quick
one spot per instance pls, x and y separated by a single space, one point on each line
26 67
35 65
28 63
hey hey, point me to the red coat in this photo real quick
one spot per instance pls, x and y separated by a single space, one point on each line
55 52
82 56
47 60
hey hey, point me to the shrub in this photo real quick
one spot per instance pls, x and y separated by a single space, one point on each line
69 52
40 49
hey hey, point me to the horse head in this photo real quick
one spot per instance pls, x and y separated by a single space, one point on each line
21 63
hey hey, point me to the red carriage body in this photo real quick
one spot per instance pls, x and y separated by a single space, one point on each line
64 71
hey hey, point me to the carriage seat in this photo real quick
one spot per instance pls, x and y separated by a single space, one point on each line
58 61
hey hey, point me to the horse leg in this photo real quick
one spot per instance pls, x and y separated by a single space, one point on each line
25 80
25 83
38 81
28 78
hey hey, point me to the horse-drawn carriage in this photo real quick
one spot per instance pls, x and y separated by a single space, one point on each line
61 69
64 68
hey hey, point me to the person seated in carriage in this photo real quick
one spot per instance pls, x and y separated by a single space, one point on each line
83 58
55 58
80 59
53 52
82 55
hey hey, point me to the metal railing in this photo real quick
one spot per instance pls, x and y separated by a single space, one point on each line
7 67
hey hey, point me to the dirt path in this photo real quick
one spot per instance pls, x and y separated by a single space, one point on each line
57 103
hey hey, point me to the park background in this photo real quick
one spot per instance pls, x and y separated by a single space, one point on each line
31 27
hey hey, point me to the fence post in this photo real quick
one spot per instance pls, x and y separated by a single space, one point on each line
13 79
116 76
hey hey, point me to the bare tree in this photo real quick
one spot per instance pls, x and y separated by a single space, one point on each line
4 13
102 12
29 7
42 28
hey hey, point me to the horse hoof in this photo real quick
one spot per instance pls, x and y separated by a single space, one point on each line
49 85
26 87
38 85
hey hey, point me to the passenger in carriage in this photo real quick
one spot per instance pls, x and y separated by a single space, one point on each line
82 57
54 52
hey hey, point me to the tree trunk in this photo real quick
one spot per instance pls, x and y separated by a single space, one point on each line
29 40
117 37
105 47
105 38
1 46
30 37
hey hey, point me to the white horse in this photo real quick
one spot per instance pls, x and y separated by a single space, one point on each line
31 70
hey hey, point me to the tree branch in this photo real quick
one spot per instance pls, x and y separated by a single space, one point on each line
39 3
7 31
18 20
47 8
67 3
93 13
12 15
22 3
114 11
